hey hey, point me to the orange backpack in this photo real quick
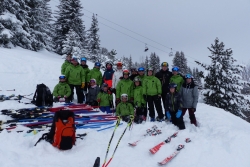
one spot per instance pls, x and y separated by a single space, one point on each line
64 137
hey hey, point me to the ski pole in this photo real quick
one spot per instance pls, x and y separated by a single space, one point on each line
116 126
8 90
129 124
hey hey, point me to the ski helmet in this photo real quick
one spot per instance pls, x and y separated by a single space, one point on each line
62 77
137 79
83 59
172 85
119 63
188 76
74 59
110 63
133 69
98 64
150 69
141 69
124 95
92 80
104 85
125 72
165 64
175 68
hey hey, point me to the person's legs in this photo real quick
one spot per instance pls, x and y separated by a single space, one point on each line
192 117
79 94
157 102
150 102
72 92
103 109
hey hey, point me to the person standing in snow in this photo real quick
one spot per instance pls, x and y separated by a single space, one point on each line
125 86
108 74
189 93
104 98
164 76
76 79
125 109
134 73
173 107
86 71
152 94
96 74
66 63
92 94
62 90
139 102
117 76
177 78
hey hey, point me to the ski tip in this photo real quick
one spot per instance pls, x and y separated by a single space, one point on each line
97 162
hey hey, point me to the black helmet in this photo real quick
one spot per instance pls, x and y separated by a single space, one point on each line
172 85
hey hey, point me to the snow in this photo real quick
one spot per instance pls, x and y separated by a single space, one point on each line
221 140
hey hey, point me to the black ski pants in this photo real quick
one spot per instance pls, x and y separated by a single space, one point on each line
78 93
177 121
191 115
163 95
154 101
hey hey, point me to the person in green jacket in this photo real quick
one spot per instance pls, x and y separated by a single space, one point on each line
62 90
104 98
96 74
125 109
152 94
76 79
140 103
125 86
86 70
141 72
66 63
176 78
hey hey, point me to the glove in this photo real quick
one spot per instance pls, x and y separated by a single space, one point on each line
178 114
168 115
83 85
98 100
193 109
145 97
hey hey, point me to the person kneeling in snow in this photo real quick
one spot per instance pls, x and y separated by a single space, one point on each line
92 94
62 90
173 106
104 98
125 109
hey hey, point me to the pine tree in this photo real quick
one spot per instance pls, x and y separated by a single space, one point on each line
14 27
180 61
158 63
153 61
72 44
69 16
223 82
130 63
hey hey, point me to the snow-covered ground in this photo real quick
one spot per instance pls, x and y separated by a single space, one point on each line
222 140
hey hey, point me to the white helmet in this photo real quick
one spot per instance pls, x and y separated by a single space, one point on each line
124 95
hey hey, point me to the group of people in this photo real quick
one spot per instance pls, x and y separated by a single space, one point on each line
136 91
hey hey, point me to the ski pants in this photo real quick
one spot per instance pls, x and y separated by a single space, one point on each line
191 115
78 93
105 109
177 121
84 93
154 101
163 96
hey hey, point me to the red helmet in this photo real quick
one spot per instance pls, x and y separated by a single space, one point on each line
126 72
119 63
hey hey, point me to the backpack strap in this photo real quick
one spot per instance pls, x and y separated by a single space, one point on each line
45 136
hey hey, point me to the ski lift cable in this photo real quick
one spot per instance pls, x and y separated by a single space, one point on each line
128 35
138 33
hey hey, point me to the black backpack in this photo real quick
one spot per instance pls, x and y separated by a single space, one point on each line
42 96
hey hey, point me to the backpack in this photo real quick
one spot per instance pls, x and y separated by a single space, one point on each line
42 96
62 133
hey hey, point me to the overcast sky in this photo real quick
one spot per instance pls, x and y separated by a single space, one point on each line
184 25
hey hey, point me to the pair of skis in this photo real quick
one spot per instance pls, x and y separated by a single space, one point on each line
169 158
149 132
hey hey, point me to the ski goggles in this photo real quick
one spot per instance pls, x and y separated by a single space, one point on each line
141 69
92 81
83 59
62 77
188 76
74 59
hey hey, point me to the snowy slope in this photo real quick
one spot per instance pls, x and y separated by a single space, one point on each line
222 140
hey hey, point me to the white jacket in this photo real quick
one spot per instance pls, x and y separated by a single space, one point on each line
116 77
